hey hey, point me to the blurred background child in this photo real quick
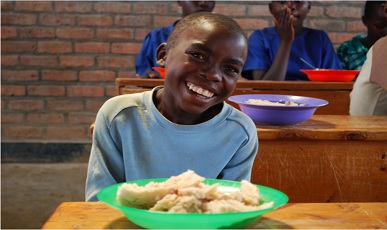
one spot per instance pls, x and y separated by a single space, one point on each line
352 53
369 93
275 53
146 59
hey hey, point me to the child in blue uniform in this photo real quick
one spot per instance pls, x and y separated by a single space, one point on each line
146 59
275 53
184 124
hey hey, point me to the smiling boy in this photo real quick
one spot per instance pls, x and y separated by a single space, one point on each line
185 124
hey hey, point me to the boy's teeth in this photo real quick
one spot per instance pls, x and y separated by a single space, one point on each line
199 90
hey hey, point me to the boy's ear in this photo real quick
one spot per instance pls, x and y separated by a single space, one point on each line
161 54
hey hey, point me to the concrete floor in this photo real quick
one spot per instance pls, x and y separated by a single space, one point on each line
31 191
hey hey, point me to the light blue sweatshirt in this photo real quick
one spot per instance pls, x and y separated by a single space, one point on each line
132 140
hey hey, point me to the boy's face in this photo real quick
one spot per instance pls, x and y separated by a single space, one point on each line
300 10
189 7
203 66
376 25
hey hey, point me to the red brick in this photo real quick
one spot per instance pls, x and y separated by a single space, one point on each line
66 132
97 76
316 11
7 5
112 7
9 60
85 91
126 48
259 11
76 61
52 118
46 90
59 75
54 47
92 47
123 34
93 20
8 32
39 60
232 9
111 91
116 61
327 25
73 6
140 34
13 90
251 23
128 74
133 20
65 105
18 46
36 32
81 118
26 104
75 33
94 105
356 26
12 117
18 19
160 21
19 75
57 20
23 132
152 8
338 38
344 12
33 6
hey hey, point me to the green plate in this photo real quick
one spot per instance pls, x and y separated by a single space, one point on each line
148 219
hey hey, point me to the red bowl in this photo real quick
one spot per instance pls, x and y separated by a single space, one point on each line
160 70
332 75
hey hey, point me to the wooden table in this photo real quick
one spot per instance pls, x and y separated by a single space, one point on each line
97 215
329 158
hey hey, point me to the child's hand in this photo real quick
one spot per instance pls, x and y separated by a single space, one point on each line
149 74
284 24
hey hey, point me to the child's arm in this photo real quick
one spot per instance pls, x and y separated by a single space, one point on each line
106 166
285 30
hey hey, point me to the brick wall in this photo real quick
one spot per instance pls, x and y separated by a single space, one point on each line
59 60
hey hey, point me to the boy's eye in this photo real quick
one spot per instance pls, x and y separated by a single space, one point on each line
232 69
196 55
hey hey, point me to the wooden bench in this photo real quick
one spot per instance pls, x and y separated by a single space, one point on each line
336 93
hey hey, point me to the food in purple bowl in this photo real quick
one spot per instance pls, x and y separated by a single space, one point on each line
301 108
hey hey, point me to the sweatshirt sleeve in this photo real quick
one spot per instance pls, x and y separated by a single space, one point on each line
106 161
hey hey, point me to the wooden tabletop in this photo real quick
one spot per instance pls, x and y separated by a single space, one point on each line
97 215
329 127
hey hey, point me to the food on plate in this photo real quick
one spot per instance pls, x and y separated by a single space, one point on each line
186 193
266 102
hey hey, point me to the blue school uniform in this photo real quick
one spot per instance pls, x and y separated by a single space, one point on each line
312 45
146 59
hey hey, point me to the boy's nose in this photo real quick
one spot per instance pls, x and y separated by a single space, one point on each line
211 74
291 5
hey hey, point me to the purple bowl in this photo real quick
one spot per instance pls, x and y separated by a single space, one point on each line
278 115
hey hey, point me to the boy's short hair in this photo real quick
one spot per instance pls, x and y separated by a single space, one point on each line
371 7
198 18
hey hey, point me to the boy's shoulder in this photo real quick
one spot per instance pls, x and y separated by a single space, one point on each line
116 104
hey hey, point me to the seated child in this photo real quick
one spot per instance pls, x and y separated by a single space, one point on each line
275 53
146 59
184 124
352 53
369 93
